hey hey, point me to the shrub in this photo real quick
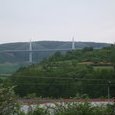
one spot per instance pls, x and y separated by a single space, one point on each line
8 104
82 109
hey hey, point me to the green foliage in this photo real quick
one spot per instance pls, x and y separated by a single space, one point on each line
8 104
32 95
73 108
113 56
8 68
82 109
62 79
86 49
51 78
40 111
65 75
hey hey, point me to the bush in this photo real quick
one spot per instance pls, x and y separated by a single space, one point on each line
40 111
82 109
8 104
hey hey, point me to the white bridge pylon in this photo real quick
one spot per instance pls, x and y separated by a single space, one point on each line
73 44
30 52
30 49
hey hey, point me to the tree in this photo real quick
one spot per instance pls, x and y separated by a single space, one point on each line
113 56
8 105
57 56
85 49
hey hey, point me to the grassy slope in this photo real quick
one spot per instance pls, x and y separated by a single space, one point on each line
8 68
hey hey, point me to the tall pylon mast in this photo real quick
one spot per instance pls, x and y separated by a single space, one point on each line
30 52
73 44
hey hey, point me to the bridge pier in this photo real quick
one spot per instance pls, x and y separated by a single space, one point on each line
30 52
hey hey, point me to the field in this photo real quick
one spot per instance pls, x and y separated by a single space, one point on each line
103 67
8 68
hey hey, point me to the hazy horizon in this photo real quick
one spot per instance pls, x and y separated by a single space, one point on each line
57 20
51 41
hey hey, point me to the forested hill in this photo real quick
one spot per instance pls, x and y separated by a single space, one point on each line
40 45
78 72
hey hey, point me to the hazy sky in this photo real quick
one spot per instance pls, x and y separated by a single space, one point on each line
86 20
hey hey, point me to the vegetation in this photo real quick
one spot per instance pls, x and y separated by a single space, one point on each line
9 68
83 109
113 56
71 109
86 71
8 104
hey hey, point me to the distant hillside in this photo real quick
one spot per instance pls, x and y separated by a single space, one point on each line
84 71
21 57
